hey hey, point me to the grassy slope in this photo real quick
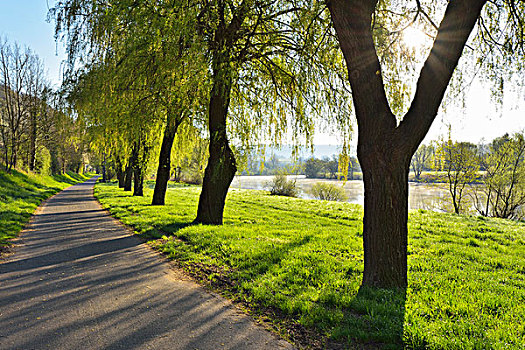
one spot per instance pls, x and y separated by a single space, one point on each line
20 195
303 259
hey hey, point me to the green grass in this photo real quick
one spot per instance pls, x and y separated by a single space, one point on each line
300 261
20 195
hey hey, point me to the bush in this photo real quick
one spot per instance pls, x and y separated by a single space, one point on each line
329 192
43 161
281 186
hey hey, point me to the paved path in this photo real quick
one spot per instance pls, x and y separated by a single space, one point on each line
79 281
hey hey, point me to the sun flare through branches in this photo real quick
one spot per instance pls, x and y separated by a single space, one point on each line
414 38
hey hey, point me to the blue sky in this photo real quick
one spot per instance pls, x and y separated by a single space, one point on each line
24 22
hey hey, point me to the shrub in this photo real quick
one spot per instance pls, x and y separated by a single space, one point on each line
43 161
329 192
281 186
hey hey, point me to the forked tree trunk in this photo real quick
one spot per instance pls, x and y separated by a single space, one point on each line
384 146
164 169
221 166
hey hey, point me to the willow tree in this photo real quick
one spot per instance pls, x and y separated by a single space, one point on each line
155 53
120 120
386 143
261 59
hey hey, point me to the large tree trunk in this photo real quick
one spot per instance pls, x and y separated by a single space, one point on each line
221 166
385 219
384 147
164 169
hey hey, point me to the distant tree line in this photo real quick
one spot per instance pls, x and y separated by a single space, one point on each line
315 168
331 168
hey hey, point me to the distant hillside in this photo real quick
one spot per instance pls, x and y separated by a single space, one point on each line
320 151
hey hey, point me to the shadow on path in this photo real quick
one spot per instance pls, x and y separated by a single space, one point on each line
79 281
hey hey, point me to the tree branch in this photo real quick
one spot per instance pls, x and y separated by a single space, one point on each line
456 26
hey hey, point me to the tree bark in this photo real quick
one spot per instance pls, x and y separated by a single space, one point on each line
120 173
385 180
32 142
141 154
104 172
164 169
128 178
129 170
221 166
138 177
385 148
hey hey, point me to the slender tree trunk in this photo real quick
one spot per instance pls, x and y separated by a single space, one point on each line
138 168
221 166
178 174
164 169
12 162
138 183
104 173
32 143
120 172
128 177
129 170
6 154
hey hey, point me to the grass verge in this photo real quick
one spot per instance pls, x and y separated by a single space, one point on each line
20 195
299 262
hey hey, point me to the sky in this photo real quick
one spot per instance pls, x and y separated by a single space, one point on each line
24 22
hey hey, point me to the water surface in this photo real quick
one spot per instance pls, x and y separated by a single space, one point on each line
421 196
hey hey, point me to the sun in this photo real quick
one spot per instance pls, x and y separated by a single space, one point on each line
414 39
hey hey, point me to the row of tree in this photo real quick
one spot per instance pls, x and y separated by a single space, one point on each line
248 71
194 73
37 132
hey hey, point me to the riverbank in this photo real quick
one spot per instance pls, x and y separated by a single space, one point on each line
21 193
428 196
298 264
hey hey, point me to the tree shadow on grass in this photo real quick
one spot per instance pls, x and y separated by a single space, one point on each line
374 319
170 229
25 188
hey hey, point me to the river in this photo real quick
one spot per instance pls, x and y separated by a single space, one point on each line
421 196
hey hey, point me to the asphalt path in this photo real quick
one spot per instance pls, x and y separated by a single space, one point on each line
79 280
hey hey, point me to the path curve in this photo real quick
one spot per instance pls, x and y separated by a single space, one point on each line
80 281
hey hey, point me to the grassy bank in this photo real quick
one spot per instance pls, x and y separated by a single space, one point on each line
20 195
299 262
